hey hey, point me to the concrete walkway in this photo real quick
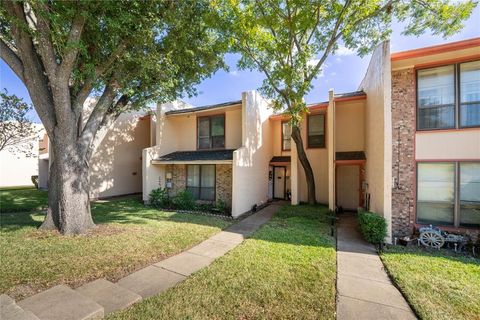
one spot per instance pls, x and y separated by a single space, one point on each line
100 297
364 291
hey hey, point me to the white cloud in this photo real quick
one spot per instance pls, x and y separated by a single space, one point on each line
333 74
313 62
344 51
233 73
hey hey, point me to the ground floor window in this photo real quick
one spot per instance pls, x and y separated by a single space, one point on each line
448 193
201 181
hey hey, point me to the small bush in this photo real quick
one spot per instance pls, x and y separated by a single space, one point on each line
34 181
205 207
159 198
222 207
184 200
373 227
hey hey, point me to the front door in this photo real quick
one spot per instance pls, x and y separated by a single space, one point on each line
279 182
348 187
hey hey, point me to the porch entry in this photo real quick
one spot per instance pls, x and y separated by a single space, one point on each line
348 187
349 179
279 178
279 182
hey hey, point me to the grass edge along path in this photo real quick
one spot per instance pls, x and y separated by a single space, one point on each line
439 285
287 270
129 236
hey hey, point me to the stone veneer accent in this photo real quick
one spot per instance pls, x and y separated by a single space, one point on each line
179 177
223 181
403 157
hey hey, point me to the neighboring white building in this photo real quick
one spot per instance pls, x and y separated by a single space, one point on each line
17 167
116 165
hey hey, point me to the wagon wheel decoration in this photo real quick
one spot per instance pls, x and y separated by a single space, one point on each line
432 239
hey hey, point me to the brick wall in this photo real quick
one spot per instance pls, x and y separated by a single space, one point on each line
224 183
179 177
403 158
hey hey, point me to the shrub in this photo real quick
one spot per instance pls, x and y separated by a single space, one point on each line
204 207
222 207
184 200
373 227
159 198
34 181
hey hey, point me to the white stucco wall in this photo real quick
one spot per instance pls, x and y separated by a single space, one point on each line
251 161
167 141
178 133
17 168
378 133
116 164
350 126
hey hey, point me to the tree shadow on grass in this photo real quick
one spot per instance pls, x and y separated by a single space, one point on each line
14 221
302 225
122 211
22 200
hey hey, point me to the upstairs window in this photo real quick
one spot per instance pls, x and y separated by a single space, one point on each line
316 131
436 98
449 96
470 94
211 132
286 136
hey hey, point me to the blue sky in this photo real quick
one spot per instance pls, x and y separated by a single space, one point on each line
342 72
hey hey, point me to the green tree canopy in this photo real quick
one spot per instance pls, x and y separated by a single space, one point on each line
125 52
289 40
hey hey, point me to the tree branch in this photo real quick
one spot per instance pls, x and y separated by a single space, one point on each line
12 59
100 71
96 117
267 74
331 43
45 45
70 56
108 119
36 82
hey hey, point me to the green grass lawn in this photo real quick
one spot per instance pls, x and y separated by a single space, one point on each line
286 270
22 199
129 236
438 284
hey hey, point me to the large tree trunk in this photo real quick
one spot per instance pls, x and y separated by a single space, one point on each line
302 156
68 192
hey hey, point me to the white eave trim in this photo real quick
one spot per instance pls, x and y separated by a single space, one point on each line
193 162
44 156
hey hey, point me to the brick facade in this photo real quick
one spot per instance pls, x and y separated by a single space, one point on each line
179 177
223 185
223 181
403 157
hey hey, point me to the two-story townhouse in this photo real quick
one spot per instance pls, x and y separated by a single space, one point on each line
436 138
405 145
217 152
241 153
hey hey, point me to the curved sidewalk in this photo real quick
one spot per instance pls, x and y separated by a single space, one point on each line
364 290
98 298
